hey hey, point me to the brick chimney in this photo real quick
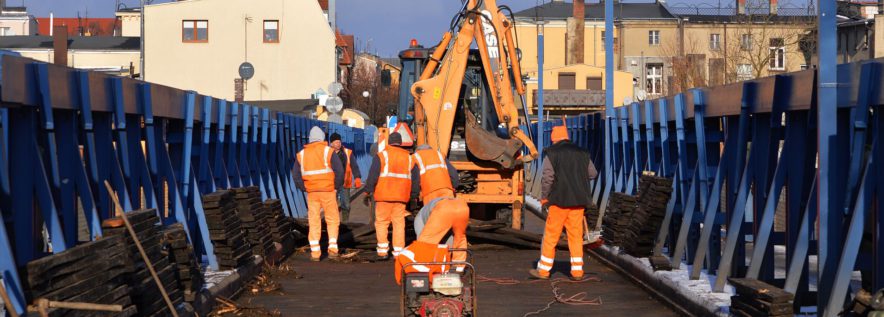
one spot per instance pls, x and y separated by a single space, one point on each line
773 7
576 29
741 6
60 44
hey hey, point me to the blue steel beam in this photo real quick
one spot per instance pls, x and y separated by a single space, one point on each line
8 266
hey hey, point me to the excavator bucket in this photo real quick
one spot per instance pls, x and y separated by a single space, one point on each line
485 145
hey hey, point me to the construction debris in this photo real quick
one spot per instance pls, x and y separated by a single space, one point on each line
181 254
632 222
225 230
227 307
756 298
92 272
253 216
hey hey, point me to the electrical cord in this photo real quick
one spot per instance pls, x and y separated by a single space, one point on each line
577 299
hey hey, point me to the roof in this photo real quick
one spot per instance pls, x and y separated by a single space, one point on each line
345 42
561 10
74 43
323 4
757 19
80 26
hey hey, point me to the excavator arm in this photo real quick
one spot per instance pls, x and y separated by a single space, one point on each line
437 92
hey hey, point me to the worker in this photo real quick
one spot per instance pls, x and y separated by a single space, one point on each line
320 174
434 180
389 184
352 176
566 172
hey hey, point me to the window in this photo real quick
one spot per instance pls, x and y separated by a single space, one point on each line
744 72
567 81
654 79
746 42
603 40
5 31
195 31
594 83
777 54
654 37
803 67
715 41
271 31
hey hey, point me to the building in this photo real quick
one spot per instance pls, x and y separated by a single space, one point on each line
289 44
860 32
346 52
79 26
670 49
15 21
110 54
129 21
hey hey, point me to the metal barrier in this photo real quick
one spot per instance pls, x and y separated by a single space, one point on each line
63 132
741 153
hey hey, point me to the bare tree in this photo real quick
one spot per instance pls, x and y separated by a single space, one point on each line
381 100
758 43
687 61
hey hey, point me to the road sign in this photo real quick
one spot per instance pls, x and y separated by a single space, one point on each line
335 88
246 70
334 104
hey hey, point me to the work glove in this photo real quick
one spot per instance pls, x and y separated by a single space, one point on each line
357 183
544 206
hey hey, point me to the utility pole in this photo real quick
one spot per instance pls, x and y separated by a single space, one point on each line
141 38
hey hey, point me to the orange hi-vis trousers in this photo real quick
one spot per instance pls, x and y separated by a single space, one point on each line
571 219
448 214
327 202
385 213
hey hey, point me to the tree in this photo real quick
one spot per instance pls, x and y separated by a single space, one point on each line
365 77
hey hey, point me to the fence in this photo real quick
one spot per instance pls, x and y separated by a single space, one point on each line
63 132
739 151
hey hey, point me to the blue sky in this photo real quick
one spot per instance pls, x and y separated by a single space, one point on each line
383 26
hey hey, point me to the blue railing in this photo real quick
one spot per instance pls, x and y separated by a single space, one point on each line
739 151
64 132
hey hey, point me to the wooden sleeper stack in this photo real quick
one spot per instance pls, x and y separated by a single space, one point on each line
632 222
280 226
180 253
755 298
144 291
92 272
225 230
254 220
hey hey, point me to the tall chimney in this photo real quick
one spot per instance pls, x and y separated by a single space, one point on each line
60 45
741 6
773 7
576 29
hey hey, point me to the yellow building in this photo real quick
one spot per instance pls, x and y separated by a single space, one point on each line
200 45
666 49
130 21
110 54
349 117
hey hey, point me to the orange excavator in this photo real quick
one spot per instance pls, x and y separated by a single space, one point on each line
462 96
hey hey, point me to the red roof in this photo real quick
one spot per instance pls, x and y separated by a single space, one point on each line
80 26
323 4
346 42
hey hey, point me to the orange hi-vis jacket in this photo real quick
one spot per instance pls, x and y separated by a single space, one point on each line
433 172
348 174
394 181
315 160
422 252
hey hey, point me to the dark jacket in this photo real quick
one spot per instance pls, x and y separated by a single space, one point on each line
567 170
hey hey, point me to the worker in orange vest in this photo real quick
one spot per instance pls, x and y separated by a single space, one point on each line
566 172
434 180
422 252
320 174
389 183
352 176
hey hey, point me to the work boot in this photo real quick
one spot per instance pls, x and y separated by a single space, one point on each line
535 274
576 278
333 255
382 258
314 259
314 256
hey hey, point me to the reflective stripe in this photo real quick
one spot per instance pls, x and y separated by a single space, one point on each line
396 253
576 260
332 240
386 172
325 159
315 249
383 245
397 248
546 259
425 168
459 269
314 242
541 266
577 268
442 246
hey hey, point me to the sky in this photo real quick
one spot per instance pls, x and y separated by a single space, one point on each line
381 26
